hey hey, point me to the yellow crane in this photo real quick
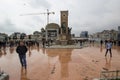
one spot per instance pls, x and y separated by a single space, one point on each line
48 13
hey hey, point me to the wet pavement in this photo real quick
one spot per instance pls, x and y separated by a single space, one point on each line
60 64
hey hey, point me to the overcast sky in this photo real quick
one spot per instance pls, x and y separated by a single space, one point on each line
84 15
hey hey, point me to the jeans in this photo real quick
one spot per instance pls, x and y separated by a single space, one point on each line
109 51
23 60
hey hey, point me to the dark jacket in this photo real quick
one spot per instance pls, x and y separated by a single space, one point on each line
21 50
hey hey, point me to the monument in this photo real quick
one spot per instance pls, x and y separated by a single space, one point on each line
52 31
65 31
61 35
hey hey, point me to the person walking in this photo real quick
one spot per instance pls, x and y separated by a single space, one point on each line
101 43
43 42
21 50
81 43
108 48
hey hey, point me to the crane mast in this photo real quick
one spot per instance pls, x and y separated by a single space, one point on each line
48 13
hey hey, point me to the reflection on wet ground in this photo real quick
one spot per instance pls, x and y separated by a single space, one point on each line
60 64
107 63
23 75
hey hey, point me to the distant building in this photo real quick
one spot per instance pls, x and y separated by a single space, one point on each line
119 29
52 31
17 36
105 35
37 36
3 36
22 36
84 34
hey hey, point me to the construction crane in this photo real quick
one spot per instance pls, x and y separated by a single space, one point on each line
48 13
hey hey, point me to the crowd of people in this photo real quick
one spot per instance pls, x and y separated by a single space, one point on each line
22 47
4 44
43 43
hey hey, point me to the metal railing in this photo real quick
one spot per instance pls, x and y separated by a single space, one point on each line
110 75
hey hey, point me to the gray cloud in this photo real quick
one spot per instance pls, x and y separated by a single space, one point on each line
39 4
95 15
7 26
89 15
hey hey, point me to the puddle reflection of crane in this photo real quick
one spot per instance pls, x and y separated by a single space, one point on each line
48 13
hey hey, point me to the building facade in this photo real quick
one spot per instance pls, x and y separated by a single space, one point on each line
84 34
37 36
105 35
3 37
52 31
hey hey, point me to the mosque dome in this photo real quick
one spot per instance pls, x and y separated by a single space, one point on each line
52 26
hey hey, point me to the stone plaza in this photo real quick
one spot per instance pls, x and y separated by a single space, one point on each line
84 63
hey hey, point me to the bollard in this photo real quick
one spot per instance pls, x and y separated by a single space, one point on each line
3 76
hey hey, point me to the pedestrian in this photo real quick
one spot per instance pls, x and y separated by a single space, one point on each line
101 42
43 42
108 48
21 50
114 42
80 42
106 42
